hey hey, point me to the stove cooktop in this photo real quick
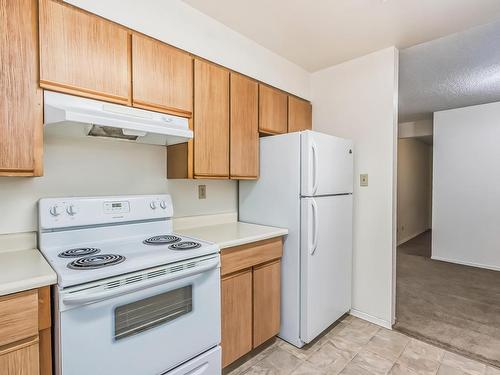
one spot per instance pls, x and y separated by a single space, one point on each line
91 261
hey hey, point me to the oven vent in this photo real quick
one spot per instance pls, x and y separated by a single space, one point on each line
157 273
113 284
154 273
133 279
178 268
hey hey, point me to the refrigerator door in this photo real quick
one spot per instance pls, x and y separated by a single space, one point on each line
327 164
326 244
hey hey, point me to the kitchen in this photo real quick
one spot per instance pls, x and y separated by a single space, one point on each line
69 60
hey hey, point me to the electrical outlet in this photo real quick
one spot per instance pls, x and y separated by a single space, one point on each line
202 191
363 180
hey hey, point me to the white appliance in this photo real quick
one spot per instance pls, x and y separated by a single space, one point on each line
132 297
82 117
305 185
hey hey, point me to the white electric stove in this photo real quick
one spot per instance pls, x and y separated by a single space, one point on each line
132 295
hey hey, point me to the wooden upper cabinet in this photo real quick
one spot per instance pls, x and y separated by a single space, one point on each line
83 54
244 115
162 77
21 112
299 114
211 120
272 110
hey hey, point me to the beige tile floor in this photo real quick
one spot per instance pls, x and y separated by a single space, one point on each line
357 347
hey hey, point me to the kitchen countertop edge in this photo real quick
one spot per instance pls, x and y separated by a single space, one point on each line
234 234
27 269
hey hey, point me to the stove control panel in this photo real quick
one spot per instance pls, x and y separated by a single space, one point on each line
70 212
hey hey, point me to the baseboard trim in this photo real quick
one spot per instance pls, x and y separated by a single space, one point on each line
371 318
411 236
470 264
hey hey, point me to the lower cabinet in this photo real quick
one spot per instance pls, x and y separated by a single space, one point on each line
21 358
250 296
25 339
266 302
236 296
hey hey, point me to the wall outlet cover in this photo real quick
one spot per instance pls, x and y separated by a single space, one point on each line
202 191
363 180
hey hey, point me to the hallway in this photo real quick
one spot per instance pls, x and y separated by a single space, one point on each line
450 305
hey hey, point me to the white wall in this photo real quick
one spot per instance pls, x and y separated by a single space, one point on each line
358 100
414 188
178 24
97 167
466 200
422 128
80 167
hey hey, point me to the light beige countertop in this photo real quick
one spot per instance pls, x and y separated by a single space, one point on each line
233 234
22 269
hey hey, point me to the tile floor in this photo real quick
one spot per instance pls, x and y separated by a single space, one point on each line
357 347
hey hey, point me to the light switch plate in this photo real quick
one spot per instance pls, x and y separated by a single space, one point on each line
363 180
202 191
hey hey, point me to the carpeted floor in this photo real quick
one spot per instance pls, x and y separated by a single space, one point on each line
450 305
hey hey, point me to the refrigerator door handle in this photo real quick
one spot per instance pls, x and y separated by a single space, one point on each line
315 167
315 226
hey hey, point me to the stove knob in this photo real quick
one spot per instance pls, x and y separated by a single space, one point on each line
163 204
153 205
54 210
71 210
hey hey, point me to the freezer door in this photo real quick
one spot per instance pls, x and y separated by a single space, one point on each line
327 164
326 258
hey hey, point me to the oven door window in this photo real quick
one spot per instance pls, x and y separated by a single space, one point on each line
151 312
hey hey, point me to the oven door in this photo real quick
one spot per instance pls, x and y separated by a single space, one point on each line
142 323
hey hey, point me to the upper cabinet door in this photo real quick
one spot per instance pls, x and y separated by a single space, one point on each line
211 121
83 54
244 127
299 115
21 112
272 110
162 77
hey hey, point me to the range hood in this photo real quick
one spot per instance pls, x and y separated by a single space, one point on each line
86 117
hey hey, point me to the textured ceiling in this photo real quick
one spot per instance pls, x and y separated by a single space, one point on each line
459 70
317 34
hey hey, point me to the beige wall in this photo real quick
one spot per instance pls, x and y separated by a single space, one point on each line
358 100
414 188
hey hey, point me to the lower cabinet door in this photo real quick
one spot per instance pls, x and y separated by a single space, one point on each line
266 302
20 359
236 297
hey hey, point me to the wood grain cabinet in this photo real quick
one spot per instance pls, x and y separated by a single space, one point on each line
21 112
299 114
162 77
211 120
83 54
250 296
273 116
25 340
236 299
244 134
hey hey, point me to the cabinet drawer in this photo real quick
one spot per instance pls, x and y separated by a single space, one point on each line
18 316
240 257
20 358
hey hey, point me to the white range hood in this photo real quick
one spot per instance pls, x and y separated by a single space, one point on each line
86 117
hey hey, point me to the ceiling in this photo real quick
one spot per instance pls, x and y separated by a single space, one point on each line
317 34
459 70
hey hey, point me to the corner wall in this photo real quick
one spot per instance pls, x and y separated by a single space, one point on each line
466 200
358 100
414 188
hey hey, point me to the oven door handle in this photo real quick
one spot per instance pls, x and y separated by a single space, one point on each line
88 296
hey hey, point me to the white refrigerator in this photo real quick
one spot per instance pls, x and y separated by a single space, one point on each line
305 185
